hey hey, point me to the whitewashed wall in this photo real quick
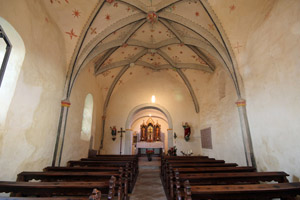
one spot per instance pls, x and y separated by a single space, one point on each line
270 67
265 37
28 135
76 147
170 92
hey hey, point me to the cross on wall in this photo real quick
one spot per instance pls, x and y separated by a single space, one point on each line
238 46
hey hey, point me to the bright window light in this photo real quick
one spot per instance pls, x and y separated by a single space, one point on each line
153 99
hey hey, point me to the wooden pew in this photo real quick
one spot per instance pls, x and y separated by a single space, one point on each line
122 180
128 172
131 159
48 189
241 192
182 157
96 195
225 179
165 169
44 198
167 163
171 172
127 164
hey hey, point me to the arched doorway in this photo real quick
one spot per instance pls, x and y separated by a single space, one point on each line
143 112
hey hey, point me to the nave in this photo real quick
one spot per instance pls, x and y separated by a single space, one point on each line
124 177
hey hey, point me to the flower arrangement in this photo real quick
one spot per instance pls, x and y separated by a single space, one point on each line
172 151
149 151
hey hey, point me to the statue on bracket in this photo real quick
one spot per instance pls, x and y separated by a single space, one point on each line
113 132
187 131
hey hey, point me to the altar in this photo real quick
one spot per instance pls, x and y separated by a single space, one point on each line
157 147
150 138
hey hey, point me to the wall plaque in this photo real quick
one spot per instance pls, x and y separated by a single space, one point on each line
206 138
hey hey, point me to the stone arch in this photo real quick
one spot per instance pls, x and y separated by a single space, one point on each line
139 108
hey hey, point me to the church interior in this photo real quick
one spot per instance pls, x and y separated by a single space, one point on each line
215 78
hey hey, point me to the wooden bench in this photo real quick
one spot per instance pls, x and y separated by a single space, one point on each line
225 179
286 191
166 164
121 179
133 160
165 169
48 189
128 165
202 170
128 172
44 198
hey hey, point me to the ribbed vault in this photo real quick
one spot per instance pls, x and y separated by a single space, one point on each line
156 34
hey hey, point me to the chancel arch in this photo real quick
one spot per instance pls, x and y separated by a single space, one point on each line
147 114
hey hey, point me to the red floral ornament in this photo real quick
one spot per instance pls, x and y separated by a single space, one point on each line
109 1
152 17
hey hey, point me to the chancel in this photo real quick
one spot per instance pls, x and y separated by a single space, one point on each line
150 137
204 88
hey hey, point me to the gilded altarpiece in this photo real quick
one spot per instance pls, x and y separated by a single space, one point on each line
150 131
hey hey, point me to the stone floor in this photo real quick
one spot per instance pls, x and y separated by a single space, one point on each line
148 185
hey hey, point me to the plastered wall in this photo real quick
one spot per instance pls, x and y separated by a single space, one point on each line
75 146
217 97
28 136
266 41
170 92
270 67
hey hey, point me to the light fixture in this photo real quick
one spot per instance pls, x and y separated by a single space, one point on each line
153 99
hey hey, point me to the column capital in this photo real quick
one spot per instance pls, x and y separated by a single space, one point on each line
240 102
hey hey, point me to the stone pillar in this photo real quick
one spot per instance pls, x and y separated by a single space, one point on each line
128 142
248 147
60 139
170 138
102 135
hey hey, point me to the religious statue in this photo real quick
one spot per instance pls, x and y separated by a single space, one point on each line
187 131
150 134
157 133
113 132
143 135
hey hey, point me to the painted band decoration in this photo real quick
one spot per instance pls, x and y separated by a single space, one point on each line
241 103
65 103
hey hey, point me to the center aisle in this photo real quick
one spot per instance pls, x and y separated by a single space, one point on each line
148 185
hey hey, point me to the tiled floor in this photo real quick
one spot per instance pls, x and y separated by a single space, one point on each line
148 185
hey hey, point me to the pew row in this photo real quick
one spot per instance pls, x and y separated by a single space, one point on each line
121 178
73 189
224 179
287 191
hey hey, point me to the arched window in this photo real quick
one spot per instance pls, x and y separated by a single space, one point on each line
87 118
13 68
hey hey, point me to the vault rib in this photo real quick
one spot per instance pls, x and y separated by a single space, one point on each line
104 58
181 39
189 86
195 66
120 74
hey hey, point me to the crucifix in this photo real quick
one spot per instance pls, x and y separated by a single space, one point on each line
121 131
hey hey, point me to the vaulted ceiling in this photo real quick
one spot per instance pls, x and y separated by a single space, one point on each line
117 35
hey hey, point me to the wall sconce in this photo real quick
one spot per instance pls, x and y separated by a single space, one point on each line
153 99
